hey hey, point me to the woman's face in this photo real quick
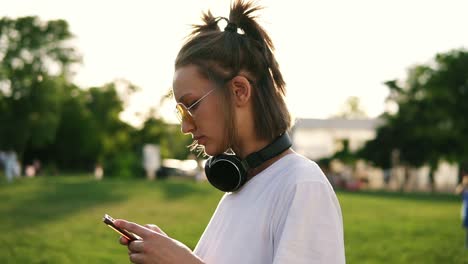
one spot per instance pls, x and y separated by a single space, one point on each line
207 125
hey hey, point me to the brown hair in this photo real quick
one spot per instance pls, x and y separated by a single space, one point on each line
221 55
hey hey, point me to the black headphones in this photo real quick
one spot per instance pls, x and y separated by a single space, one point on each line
228 172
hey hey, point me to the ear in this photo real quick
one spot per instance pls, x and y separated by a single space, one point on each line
241 90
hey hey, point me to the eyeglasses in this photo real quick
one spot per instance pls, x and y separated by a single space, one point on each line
183 112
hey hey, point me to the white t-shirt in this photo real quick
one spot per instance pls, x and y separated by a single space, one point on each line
288 213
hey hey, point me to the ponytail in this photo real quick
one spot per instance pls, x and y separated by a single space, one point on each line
242 15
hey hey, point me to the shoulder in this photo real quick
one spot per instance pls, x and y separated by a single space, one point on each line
297 169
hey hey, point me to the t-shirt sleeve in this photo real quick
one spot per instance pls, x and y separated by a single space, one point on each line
308 227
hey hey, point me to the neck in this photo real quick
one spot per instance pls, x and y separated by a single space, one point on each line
253 172
248 146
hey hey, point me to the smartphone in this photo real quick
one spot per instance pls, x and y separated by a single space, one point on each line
109 221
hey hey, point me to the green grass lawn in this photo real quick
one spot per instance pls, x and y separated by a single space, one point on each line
58 220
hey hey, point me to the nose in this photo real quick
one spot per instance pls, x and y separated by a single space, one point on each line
187 126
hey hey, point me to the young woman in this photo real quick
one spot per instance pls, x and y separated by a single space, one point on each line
279 208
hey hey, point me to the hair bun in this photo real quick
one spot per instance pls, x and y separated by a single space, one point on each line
231 27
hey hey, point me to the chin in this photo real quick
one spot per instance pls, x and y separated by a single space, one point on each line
212 150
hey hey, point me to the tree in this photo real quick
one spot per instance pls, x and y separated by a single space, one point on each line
76 144
90 132
430 124
116 150
36 63
43 115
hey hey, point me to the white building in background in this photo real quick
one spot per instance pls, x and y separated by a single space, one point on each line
321 138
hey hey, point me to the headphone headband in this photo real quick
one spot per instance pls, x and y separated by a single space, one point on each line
272 150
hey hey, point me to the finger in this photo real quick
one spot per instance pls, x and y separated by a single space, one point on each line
156 229
136 246
137 258
123 241
141 231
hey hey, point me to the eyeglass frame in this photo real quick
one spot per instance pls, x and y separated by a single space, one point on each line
181 116
187 109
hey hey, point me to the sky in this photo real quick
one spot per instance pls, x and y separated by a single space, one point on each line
328 50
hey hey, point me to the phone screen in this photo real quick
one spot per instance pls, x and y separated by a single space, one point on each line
109 221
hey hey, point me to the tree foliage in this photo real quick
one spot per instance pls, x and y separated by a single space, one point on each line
431 122
44 116
36 61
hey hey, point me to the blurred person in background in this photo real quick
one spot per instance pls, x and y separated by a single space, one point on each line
12 165
462 189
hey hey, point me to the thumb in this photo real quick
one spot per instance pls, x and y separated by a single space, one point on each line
156 229
137 229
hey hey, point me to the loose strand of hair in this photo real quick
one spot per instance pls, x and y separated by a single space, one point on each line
210 23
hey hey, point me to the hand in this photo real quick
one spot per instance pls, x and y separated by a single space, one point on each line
155 228
155 247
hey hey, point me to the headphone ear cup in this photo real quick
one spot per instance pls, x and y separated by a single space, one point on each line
207 167
225 172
